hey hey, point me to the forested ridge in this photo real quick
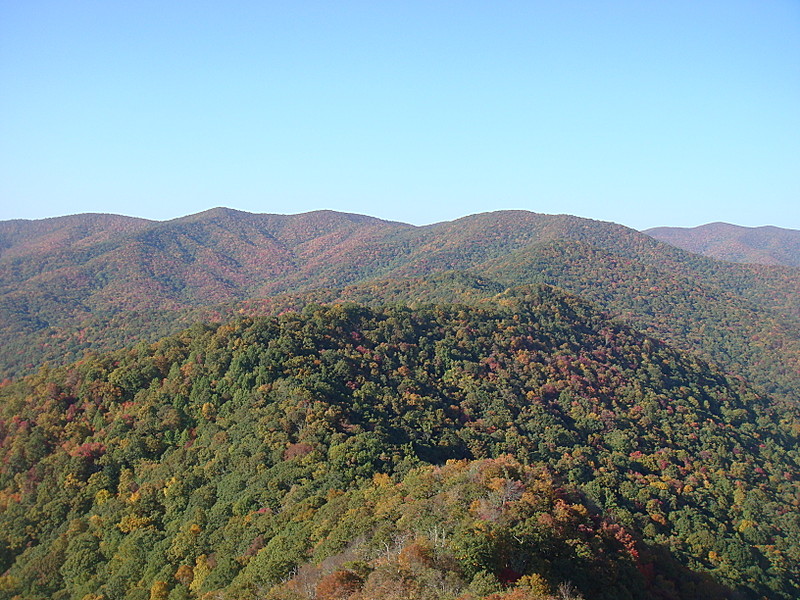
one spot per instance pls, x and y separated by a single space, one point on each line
523 446
723 241
98 282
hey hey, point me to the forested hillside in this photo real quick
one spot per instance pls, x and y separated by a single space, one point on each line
101 282
714 320
723 241
519 447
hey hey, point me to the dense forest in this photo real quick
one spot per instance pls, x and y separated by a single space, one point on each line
99 282
521 445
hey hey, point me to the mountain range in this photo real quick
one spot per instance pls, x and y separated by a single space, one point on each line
723 241
84 282
328 406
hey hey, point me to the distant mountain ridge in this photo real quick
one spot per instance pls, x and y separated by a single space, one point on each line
27 237
99 281
756 245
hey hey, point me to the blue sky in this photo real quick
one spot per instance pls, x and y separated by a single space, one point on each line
644 113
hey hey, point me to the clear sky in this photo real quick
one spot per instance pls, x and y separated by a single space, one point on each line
645 113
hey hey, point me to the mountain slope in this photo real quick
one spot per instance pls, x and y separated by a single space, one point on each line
151 279
691 314
24 238
232 459
723 241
